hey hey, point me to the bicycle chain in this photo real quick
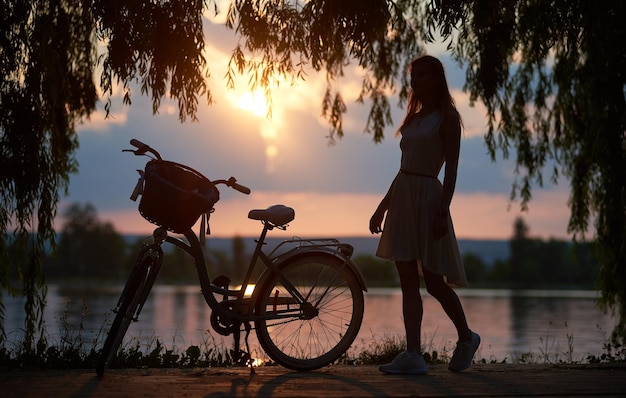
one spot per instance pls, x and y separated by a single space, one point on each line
273 324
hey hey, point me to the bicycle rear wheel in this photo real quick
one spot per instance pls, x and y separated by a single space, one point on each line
131 302
314 334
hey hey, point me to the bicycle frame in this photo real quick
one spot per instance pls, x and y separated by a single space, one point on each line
272 263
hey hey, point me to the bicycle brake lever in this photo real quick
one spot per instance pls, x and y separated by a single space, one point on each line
137 152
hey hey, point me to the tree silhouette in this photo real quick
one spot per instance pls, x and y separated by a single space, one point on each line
89 247
521 250
550 74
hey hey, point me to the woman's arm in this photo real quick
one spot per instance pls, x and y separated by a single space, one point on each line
451 130
377 219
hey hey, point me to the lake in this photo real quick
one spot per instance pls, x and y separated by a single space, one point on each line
541 326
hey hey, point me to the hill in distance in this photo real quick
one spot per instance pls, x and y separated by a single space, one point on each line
488 250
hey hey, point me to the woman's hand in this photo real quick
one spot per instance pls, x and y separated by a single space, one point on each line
440 225
376 221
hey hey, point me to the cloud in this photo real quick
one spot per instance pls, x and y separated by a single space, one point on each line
98 121
298 160
475 216
491 216
288 159
474 117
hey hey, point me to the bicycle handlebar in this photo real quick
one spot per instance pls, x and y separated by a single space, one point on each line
143 149
137 143
232 182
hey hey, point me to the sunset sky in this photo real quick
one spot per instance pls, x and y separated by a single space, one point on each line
288 160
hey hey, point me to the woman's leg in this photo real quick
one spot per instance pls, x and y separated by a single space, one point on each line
412 309
440 290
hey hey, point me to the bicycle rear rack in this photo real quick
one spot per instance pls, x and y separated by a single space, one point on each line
296 244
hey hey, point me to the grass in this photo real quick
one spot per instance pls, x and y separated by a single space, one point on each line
382 349
74 354
133 354
75 350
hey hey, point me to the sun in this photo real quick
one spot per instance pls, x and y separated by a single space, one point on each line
254 102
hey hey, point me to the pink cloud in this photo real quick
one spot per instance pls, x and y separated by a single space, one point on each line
476 216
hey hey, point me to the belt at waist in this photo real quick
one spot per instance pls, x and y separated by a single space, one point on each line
413 173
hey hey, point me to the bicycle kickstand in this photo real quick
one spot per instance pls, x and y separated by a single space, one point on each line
250 361
241 357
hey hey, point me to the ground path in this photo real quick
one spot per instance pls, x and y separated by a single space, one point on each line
482 380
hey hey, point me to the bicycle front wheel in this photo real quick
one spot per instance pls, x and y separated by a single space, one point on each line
133 297
310 335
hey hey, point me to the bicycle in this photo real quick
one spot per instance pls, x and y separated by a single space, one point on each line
306 306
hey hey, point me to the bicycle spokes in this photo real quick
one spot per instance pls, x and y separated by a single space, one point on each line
314 333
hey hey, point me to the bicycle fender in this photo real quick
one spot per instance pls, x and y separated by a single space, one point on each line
304 251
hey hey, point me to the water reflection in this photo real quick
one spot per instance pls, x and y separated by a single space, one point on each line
546 323
555 326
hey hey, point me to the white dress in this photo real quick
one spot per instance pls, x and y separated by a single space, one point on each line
414 202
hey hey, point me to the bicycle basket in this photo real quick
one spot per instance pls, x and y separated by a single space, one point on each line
174 195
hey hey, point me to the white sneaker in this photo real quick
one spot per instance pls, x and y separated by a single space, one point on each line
464 353
406 363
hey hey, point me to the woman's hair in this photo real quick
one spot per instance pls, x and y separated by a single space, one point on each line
443 98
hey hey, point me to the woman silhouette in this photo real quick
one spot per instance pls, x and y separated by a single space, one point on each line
418 234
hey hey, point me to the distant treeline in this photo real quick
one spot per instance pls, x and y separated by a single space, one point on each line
532 264
89 248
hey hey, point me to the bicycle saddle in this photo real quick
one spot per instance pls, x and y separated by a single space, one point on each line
276 214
